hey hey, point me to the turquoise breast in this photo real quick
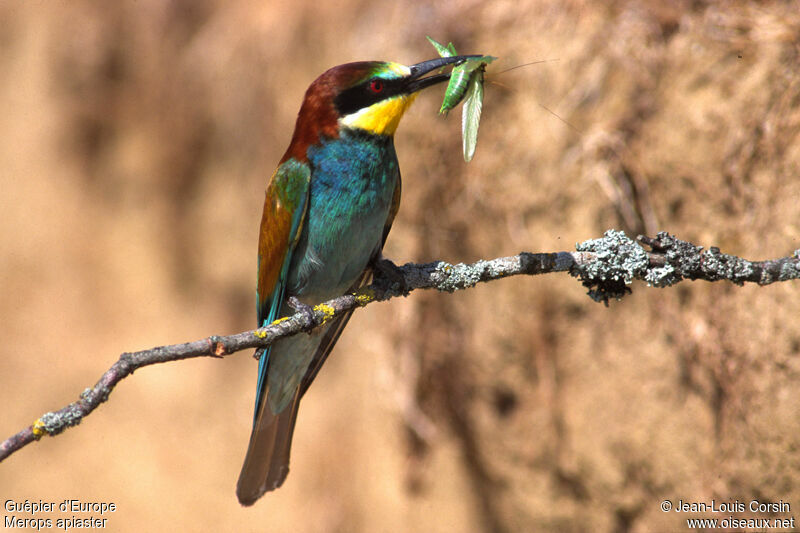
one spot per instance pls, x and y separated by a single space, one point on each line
353 179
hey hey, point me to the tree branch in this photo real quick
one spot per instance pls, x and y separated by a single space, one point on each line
606 266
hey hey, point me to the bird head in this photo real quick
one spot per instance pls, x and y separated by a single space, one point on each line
371 96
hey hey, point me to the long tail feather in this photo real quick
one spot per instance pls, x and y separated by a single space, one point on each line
267 462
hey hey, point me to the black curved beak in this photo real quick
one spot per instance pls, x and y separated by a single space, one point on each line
416 82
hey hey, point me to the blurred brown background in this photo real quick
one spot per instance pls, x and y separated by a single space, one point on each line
137 137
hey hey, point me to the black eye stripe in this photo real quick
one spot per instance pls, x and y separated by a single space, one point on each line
360 96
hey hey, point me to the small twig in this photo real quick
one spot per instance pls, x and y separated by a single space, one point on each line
606 266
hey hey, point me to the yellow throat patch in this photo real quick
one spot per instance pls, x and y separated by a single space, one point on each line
381 118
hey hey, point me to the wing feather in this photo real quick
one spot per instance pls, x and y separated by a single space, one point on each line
285 207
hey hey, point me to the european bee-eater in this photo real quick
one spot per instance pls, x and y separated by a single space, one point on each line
328 209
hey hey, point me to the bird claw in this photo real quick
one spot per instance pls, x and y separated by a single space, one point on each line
306 310
389 275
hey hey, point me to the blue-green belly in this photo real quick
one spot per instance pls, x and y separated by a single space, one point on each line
352 185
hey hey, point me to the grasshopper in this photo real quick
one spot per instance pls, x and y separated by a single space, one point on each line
466 81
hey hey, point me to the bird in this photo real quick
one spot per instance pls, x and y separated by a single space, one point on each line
328 209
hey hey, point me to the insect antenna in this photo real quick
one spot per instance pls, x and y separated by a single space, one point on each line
526 65
493 82
576 130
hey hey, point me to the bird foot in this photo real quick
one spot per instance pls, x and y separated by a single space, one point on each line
306 310
389 276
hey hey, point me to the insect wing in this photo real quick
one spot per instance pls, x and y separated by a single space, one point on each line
471 114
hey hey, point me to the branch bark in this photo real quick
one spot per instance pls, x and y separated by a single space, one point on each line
606 266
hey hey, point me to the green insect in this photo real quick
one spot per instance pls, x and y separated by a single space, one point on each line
461 75
466 81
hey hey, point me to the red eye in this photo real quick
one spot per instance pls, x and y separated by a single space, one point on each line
375 85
